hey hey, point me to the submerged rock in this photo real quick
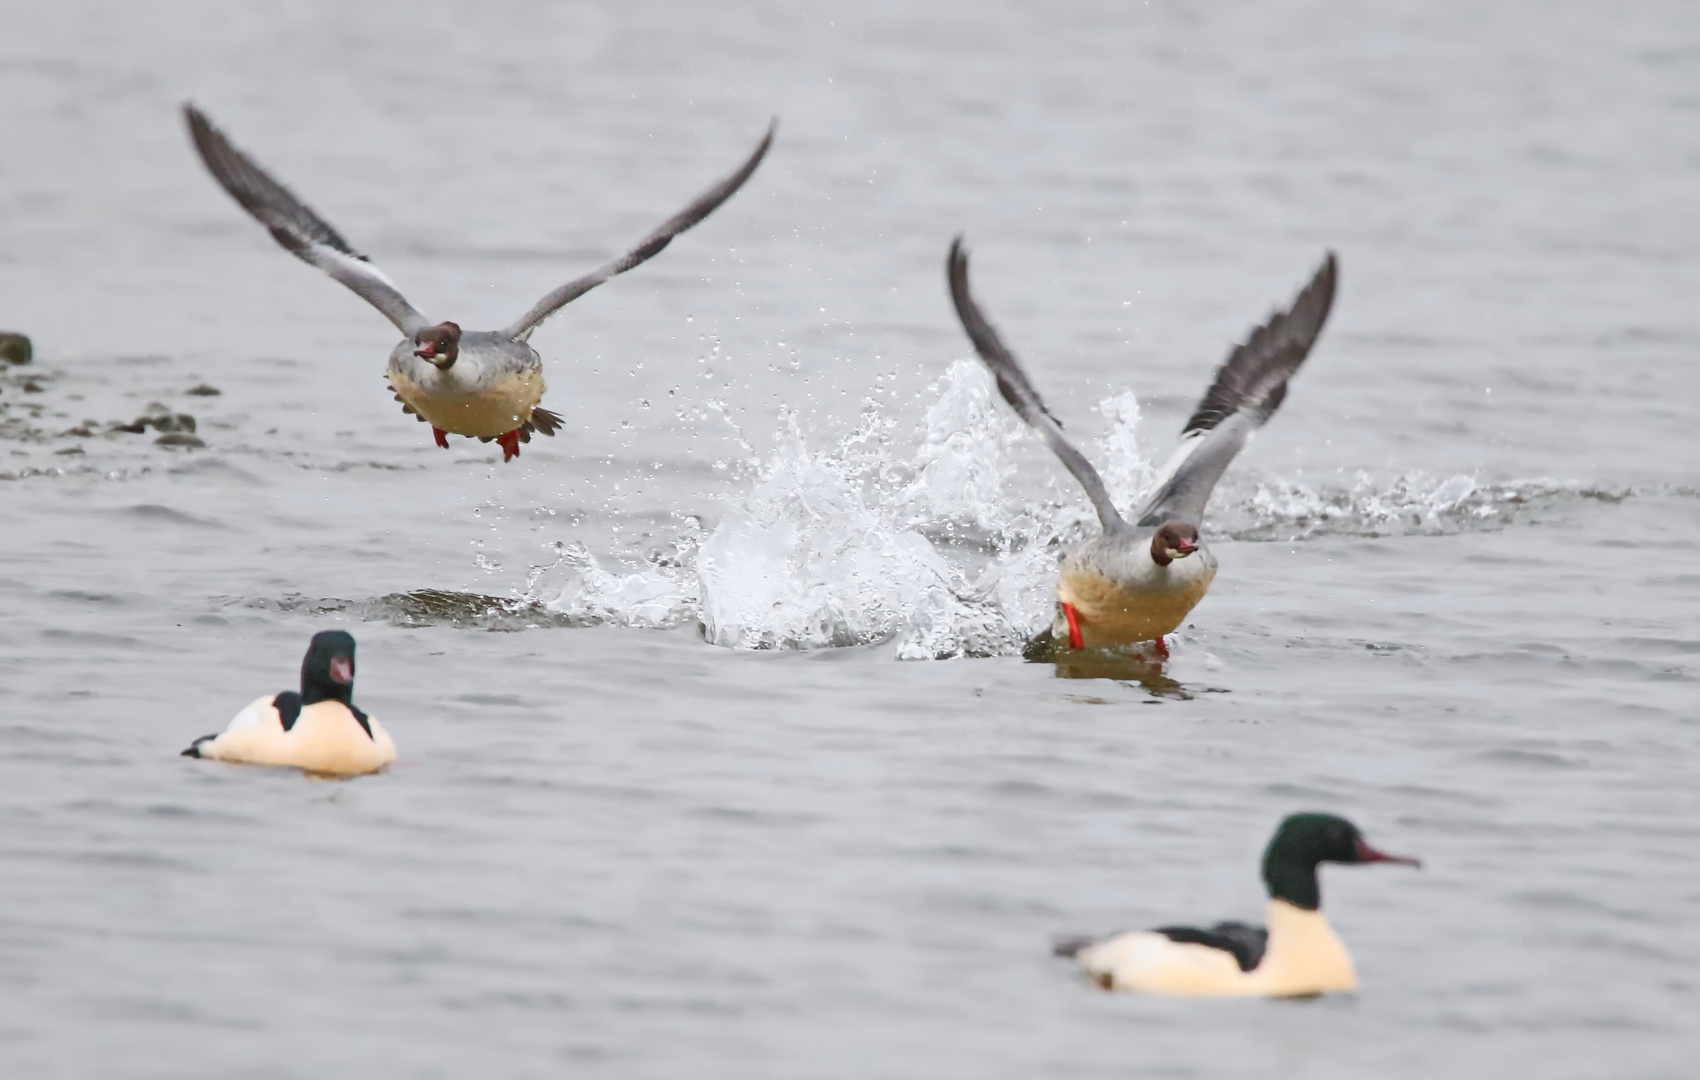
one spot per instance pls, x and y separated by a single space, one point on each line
15 348
181 422
162 420
179 438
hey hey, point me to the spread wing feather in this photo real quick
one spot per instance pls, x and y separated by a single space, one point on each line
1013 384
294 225
1248 388
646 249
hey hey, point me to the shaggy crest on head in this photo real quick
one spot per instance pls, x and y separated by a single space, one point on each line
483 384
1137 581
318 728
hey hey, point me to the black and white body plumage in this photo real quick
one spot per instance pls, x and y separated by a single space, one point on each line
1137 581
481 384
1298 954
317 728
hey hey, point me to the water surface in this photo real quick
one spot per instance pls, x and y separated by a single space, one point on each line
718 755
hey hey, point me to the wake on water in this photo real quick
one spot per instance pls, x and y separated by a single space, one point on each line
870 542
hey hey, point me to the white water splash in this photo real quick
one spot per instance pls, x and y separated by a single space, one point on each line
859 543
924 546
1409 504
657 597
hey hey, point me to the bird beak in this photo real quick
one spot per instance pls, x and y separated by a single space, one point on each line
342 670
1369 854
1186 547
425 352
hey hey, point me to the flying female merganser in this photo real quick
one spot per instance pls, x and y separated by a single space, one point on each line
319 730
1137 582
1297 956
484 384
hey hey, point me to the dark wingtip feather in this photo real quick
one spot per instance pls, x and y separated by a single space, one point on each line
1012 381
1255 374
291 222
956 274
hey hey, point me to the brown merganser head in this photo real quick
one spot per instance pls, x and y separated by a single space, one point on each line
1173 540
438 344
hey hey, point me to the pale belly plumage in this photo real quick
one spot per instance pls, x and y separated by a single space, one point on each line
325 738
1304 957
1111 614
495 408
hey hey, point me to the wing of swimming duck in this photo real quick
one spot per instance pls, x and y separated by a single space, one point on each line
1246 944
649 247
1013 384
1249 387
293 224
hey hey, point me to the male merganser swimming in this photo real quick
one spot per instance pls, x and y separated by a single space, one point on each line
484 384
1297 956
1137 582
319 729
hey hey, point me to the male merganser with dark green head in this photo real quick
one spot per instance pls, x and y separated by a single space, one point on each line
484 384
1136 582
319 729
1297 955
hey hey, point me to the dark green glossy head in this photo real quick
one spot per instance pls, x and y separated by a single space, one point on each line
327 672
1302 843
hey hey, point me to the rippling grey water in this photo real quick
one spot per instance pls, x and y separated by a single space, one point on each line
1459 571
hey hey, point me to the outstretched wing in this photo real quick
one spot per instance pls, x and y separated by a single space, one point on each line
1249 387
1018 391
649 247
293 224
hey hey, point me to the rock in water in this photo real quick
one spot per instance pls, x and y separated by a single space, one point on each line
15 348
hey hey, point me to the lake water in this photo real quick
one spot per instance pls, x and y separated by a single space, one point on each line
718 754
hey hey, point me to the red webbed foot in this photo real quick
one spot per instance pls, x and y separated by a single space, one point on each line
1075 640
441 436
1161 647
509 444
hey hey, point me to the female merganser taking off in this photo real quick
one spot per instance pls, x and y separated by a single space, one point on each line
484 384
1297 956
319 730
1138 582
